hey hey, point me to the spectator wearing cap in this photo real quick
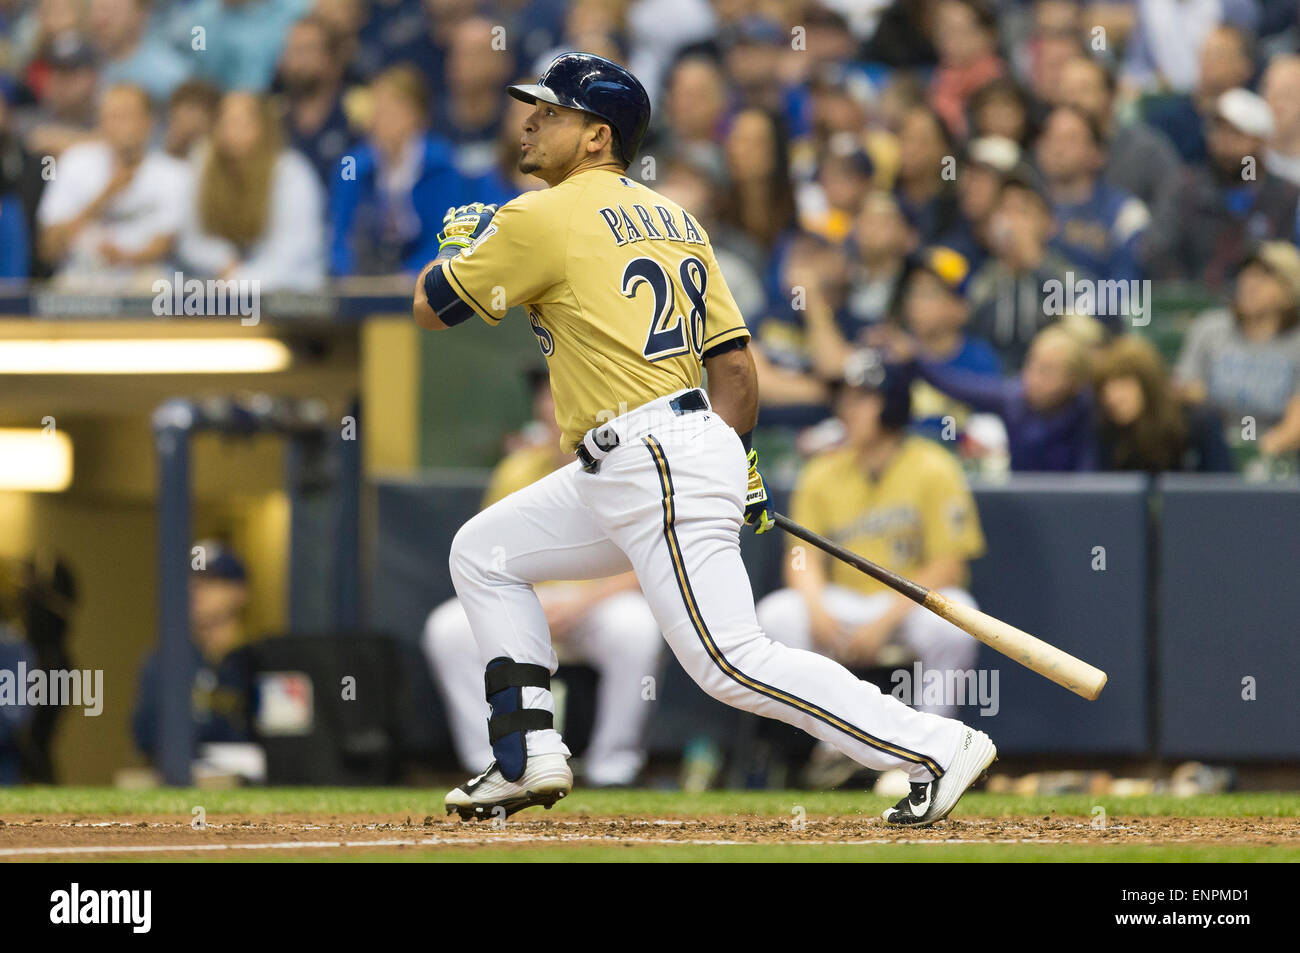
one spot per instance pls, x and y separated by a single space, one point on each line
1100 228
989 160
244 39
64 111
1281 89
1008 294
881 242
925 194
843 180
113 212
1243 363
119 30
899 500
935 310
1139 160
1142 425
311 80
385 218
1219 210
218 590
965 36
1047 409
1226 61
256 210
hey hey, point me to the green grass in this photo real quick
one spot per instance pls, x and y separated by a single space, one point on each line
391 803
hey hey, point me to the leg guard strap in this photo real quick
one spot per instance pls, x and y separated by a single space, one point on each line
504 682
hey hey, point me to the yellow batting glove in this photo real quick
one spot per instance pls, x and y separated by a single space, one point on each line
757 513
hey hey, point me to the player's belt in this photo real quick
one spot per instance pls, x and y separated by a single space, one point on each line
600 442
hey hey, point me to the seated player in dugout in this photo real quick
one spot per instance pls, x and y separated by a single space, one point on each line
605 623
898 499
624 294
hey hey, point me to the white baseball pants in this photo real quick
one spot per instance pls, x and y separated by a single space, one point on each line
668 503
939 644
618 637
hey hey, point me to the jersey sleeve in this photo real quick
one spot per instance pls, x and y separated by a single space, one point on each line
722 318
951 524
519 259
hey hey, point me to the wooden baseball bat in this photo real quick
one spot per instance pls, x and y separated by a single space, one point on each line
1035 654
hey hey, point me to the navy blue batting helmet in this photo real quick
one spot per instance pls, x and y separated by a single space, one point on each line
867 370
598 86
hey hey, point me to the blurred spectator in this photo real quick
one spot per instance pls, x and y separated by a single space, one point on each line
689 123
657 30
926 172
1100 228
989 160
1008 293
115 205
1209 221
1244 363
965 36
1047 409
1002 108
311 78
842 103
843 181
346 20
21 185
385 218
607 624
34 29
503 181
1058 38
1141 425
256 209
935 311
1139 159
243 39
218 597
754 50
1226 62
760 199
882 239
65 109
902 37
14 718
191 111
1161 52
120 31
1281 89
470 106
899 500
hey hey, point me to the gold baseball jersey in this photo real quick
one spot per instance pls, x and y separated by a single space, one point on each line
620 285
918 509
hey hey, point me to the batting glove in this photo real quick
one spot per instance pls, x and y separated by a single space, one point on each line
757 513
460 226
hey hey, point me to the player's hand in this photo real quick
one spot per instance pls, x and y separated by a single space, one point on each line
460 226
757 513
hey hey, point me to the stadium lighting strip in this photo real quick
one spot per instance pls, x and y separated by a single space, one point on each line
144 356
34 460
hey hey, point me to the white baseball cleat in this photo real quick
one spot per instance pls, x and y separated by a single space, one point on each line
546 779
932 801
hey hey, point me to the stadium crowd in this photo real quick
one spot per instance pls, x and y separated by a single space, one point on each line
979 189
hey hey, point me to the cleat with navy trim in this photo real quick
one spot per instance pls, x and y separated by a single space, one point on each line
546 779
932 801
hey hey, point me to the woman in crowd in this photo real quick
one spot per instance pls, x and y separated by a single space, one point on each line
256 208
760 200
1140 423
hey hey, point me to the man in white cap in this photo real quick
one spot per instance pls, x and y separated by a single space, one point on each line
1223 207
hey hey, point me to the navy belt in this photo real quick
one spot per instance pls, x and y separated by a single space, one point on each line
688 403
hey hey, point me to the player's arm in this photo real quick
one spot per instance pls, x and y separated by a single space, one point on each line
438 305
733 384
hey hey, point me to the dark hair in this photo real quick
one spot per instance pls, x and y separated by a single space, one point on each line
1003 87
198 92
333 41
984 15
779 184
1095 132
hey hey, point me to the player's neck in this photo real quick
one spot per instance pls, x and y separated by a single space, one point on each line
588 165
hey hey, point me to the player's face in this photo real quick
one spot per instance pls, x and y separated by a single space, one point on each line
553 141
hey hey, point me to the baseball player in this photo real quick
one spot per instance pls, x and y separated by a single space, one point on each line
624 294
